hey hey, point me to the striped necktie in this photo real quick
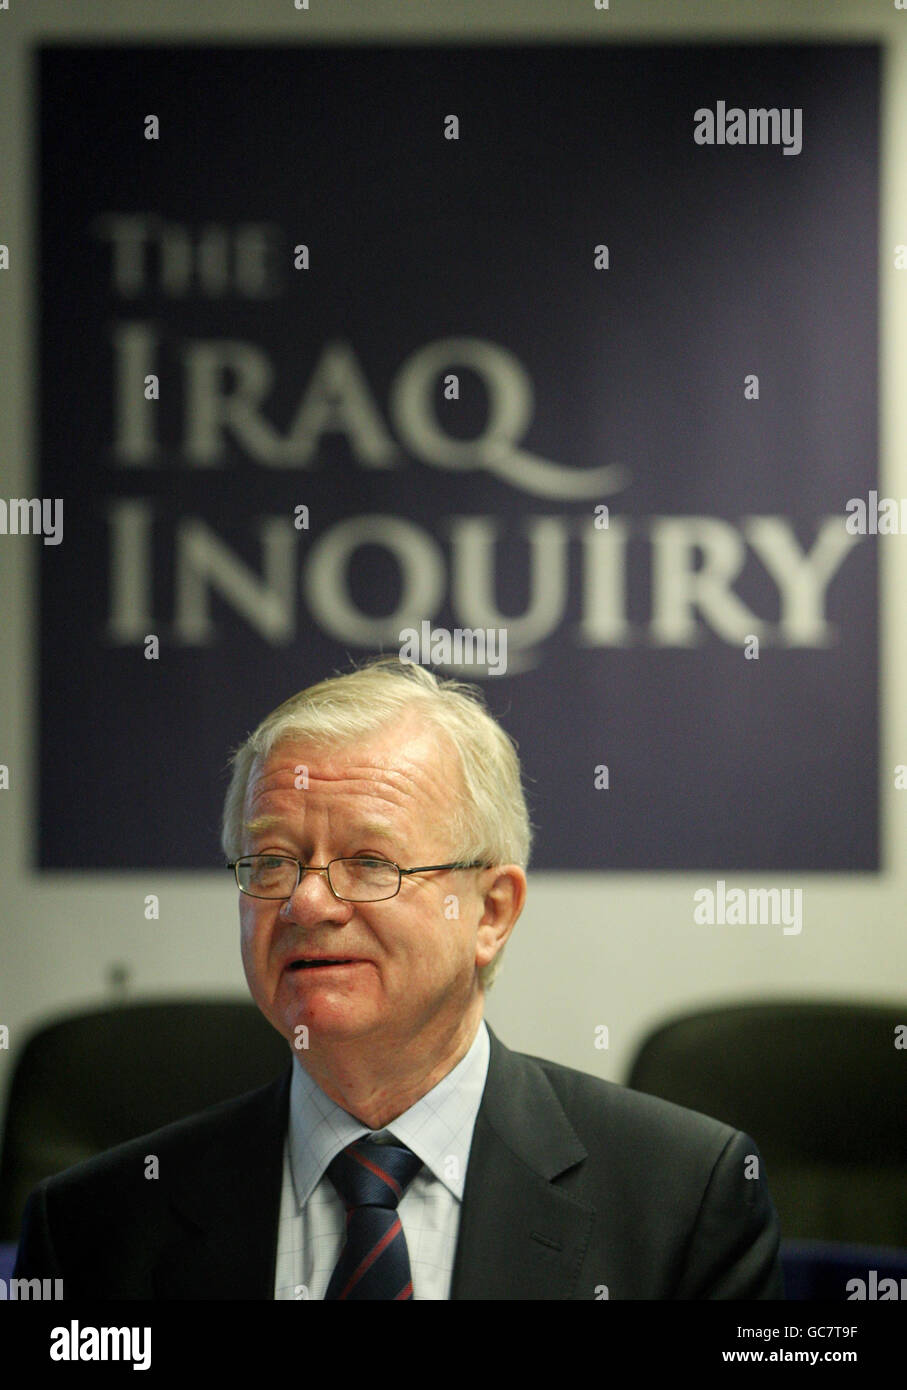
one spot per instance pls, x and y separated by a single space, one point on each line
374 1262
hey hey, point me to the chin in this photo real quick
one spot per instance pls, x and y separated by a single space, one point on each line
325 1020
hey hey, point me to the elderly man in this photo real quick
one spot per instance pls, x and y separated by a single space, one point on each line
378 833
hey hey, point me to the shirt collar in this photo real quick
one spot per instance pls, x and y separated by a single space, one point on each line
438 1128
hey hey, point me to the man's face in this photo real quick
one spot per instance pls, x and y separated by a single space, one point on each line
412 967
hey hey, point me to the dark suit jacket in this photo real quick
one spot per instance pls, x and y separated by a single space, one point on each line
573 1184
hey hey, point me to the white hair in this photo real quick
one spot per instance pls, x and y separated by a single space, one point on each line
489 819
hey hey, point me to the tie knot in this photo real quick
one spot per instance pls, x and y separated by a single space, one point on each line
367 1174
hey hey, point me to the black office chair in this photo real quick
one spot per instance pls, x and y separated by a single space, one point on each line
821 1089
89 1081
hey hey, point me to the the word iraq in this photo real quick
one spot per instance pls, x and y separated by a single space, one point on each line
574 561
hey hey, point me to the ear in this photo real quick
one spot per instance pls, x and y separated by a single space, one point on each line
502 903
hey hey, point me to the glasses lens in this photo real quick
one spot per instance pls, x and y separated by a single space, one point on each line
364 880
266 876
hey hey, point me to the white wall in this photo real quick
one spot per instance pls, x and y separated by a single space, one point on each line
590 949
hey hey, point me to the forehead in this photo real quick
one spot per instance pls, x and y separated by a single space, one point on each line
391 779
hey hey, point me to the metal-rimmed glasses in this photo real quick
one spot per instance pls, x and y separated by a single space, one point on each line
359 880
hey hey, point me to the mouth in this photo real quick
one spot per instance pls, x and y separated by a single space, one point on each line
319 964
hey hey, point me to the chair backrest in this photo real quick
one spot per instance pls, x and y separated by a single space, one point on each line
820 1088
87 1082
826 1270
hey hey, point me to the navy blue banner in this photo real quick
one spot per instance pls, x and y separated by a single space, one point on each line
553 367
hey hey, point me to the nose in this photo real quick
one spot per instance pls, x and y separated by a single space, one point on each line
313 901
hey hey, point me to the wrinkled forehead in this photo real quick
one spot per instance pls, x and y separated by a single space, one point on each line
397 777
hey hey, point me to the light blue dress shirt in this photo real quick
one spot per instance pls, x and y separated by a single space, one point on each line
312 1220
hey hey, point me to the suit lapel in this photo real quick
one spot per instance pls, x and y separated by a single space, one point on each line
226 1203
520 1237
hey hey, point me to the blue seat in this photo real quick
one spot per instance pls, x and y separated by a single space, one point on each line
818 1269
7 1260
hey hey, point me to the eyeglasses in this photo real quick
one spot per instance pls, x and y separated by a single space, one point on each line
350 880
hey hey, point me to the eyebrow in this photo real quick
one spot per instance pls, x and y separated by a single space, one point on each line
260 824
